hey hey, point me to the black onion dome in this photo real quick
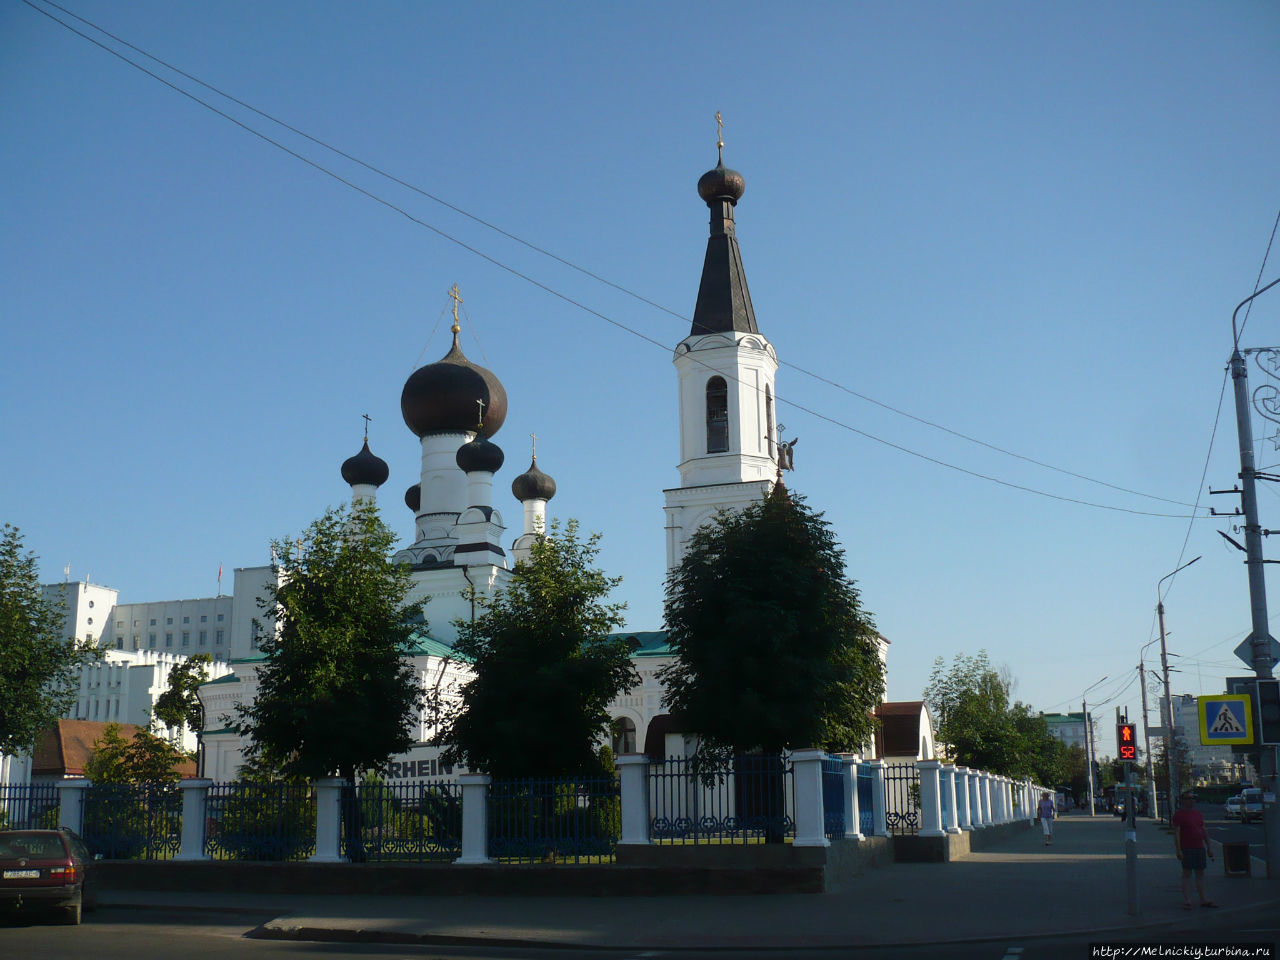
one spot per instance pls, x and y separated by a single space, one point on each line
441 397
413 497
480 454
533 484
365 467
721 184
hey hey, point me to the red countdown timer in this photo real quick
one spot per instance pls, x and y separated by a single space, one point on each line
1126 741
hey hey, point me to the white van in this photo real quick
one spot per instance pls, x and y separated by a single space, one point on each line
1251 804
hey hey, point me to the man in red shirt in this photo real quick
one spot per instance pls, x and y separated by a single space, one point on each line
1191 844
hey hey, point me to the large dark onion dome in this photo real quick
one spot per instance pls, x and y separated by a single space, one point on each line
721 184
479 455
413 497
441 397
365 467
533 484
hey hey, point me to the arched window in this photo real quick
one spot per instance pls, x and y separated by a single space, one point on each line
717 415
768 418
623 736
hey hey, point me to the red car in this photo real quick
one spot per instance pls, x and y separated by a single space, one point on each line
44 870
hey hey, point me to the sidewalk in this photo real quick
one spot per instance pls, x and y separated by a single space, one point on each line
1019 889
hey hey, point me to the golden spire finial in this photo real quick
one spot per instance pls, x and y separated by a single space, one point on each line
535 446
480 419
366 426
719 137
457 299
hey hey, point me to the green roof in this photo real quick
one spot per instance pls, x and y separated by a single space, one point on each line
653 643
226 678
425 645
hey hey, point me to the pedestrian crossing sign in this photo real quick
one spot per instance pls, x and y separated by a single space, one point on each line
1226 720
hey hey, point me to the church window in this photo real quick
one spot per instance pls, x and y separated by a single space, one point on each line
623 736
768 417
717 415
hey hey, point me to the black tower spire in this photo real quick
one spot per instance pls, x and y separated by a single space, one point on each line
724 302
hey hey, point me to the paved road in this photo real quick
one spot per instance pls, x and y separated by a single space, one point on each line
131 934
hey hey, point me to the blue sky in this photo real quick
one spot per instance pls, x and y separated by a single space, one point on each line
1026 223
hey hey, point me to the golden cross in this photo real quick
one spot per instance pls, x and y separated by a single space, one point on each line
366 427
480 422
719 135
535 445
457 299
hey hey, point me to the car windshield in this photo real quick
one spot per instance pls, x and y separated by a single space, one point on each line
36 846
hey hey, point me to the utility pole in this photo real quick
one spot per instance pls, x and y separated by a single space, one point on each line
1146 734
1088 751
1170 733
1130 830
1261 642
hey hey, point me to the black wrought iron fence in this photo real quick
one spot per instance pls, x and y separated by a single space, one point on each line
749 800
405 822
901 798
133 821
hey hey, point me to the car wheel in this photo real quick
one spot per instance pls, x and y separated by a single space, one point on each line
71 915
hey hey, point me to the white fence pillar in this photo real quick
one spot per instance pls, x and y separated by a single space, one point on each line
997 800
633 774
879 827
194 793
964 819
930 798
475 818
71 804
806 771
984 793
852 809
949 794
328 820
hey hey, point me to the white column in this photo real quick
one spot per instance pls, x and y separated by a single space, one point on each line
975 798
328 820
879 827
930 798
852 810
475 818
633 772
997 800
964 819
984 794
806 771
950 794
71 804
1006 797
194 793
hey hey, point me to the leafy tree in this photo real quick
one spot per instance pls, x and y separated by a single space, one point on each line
39 666
772 647
1182 763
142 758
545 666
179 706
337 692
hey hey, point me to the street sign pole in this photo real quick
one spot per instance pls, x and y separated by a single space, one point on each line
1126 748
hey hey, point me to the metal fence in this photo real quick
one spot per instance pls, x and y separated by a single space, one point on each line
260 821
556 820
902 798
402 822
866 795
29 806
750 800
133 821
833 796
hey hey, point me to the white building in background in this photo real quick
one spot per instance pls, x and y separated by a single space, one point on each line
1208 762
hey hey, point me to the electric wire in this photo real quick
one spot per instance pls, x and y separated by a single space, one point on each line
1261 270
553 256
589 310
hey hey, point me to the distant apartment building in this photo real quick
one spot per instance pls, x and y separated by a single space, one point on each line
1068 727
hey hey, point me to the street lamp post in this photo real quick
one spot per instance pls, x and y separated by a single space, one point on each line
1170 735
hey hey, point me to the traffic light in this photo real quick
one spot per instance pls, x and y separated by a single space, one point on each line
1269 711
1127 742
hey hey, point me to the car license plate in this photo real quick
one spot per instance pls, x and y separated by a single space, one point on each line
22 874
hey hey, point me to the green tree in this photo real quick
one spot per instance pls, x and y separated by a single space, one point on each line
179 706
545 666
39 666
142 758
337 692
772 647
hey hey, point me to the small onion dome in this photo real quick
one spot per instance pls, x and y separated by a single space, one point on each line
365 467
441 397
413 497
721 184
533 484
479 455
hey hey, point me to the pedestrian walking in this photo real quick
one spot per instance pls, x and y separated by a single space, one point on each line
1045 811
1192 846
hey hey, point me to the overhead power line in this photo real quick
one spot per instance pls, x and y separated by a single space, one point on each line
564 297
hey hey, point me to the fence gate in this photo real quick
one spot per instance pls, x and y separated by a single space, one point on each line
902 798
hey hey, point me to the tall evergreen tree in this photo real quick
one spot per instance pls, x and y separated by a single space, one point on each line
772 647
39 664
337 691
545 666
